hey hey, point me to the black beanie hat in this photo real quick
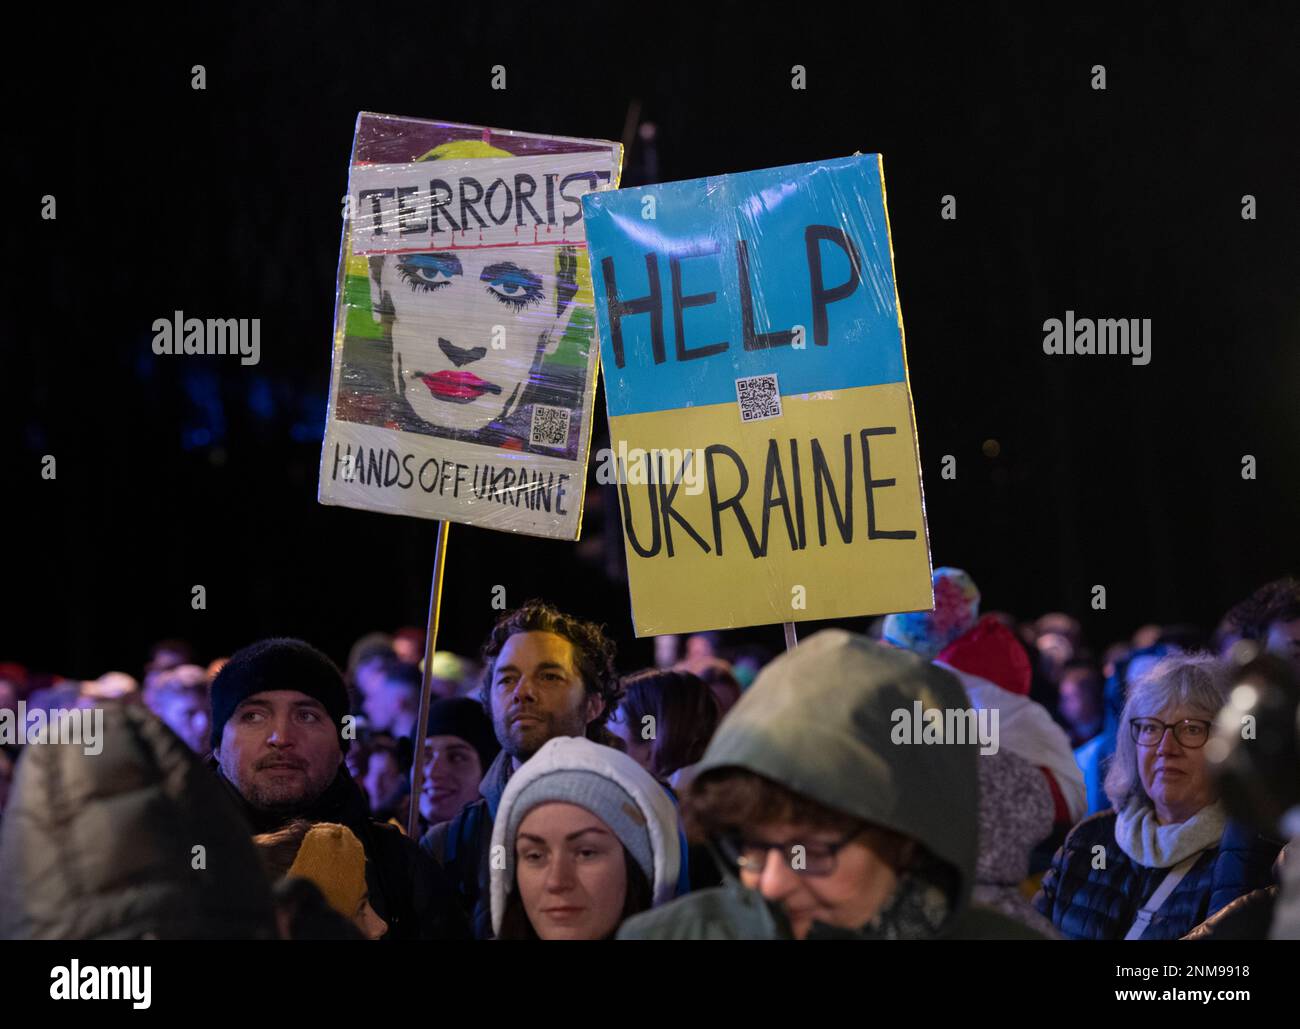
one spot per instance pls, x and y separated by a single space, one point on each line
278 664
460 716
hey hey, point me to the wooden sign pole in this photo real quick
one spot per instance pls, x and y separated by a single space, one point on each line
426 681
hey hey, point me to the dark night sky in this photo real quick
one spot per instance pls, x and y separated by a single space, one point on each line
226 202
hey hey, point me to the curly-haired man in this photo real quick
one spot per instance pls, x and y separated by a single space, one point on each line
546 674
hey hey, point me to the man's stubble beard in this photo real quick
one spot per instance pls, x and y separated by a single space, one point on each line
282 797
286 797
521 749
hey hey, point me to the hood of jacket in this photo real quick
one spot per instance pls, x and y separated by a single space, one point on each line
822 720
106 845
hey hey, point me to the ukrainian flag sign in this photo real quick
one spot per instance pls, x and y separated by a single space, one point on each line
756 381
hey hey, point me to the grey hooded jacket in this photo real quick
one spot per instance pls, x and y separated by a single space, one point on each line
822 720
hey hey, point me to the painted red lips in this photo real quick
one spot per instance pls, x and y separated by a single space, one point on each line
458 385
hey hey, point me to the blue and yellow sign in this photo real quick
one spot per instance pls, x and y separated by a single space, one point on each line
761 423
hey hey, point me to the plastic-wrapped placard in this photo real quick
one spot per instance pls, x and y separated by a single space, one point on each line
761 424
464 361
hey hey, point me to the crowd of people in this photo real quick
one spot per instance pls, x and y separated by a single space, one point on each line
724 793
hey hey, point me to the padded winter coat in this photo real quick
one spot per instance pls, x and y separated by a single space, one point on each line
138 841
1101 903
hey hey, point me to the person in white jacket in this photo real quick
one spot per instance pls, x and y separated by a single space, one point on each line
995 672
584 838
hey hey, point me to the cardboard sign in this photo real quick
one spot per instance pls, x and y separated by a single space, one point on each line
464 368
760 414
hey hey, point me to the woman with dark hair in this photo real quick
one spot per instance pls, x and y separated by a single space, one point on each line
665 721
587 839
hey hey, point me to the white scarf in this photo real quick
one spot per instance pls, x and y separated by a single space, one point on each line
1149 843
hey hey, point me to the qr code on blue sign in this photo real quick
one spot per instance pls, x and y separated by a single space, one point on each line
550 426
758 397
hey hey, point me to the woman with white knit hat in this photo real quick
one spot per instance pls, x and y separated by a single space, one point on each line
584 838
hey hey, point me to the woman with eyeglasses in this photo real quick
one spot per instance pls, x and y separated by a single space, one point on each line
1165 858
826 821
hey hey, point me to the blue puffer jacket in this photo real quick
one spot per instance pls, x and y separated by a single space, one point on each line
1087 903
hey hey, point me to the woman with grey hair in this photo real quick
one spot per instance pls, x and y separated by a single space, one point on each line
1165 857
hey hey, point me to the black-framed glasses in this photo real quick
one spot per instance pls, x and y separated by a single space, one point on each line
812 858
1190 732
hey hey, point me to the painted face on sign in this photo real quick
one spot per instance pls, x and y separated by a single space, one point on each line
470 328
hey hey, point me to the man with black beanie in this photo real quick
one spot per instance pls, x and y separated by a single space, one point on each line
280 728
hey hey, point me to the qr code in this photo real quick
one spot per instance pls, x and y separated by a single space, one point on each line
550 426
758 397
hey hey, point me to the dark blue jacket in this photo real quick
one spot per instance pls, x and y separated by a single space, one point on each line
463 846
1089 903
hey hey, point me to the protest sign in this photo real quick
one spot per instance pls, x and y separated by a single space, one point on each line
761 421
464 365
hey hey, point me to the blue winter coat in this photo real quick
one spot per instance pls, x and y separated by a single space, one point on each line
1088 903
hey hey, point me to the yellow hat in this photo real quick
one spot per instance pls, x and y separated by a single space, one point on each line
333 858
